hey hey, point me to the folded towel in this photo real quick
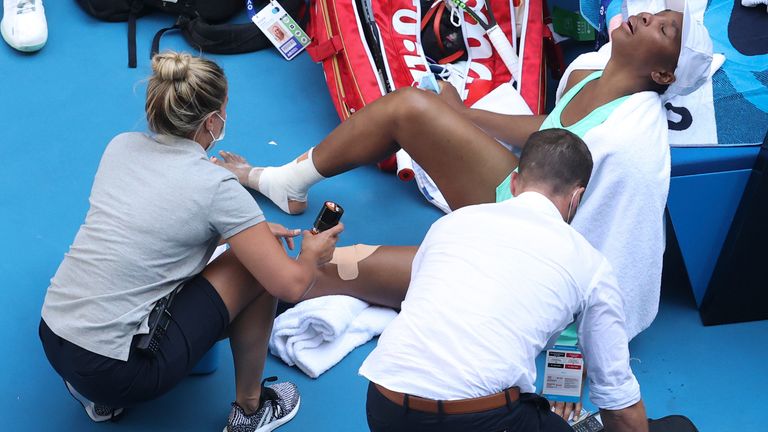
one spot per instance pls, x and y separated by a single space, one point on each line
317 333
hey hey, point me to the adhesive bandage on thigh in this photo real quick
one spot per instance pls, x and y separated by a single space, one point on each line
288 182
347 258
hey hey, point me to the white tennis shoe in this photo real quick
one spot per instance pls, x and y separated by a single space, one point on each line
24 26
279 404
97 413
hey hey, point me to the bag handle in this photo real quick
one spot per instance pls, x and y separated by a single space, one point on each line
156 40
136 7
320 51
428 15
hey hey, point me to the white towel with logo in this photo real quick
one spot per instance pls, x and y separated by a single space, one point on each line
622 212
699 129
316 334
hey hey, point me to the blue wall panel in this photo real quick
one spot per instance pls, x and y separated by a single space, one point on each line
702 207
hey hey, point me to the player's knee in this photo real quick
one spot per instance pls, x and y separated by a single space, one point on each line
413 104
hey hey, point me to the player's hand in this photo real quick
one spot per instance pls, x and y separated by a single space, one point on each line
450 96
281 232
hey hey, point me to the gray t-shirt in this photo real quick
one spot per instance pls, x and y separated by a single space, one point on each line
158 208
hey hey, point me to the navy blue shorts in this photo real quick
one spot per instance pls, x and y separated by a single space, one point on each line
530 413
200 319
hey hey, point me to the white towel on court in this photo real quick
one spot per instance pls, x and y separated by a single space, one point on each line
316 334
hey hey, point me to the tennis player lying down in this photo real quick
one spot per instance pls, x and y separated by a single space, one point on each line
617 110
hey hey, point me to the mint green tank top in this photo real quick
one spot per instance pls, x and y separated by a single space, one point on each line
580 128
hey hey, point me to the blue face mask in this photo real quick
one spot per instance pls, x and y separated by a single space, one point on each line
214 140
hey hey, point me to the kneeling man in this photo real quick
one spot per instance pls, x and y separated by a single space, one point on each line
491 286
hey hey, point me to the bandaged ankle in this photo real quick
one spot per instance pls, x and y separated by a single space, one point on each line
347 259
288 182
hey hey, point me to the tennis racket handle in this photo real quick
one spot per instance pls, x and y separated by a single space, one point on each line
404 166
504 50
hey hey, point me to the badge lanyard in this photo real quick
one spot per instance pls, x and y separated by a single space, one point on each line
251 9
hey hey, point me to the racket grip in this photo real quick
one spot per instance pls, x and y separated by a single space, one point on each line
388 164
404 165
504 50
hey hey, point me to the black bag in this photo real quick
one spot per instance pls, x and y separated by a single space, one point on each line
442 41
200 21
672 423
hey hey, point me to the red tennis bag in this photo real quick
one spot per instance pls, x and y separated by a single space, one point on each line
340 44
369 48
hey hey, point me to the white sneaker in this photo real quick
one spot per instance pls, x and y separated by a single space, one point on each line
279 404
97 413
24 26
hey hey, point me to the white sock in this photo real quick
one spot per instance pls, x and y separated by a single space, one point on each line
288 182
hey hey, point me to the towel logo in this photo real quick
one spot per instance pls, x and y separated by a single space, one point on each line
686 119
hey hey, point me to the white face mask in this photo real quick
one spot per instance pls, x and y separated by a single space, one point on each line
569 218
214 140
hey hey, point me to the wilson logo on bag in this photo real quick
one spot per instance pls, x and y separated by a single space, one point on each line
369 48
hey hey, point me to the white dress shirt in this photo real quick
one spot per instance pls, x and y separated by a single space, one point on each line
491 286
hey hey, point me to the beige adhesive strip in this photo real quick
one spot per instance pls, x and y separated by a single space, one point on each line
347 257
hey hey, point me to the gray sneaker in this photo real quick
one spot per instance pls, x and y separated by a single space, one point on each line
96 412
279 404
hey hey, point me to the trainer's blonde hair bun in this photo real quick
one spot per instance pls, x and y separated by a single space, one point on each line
171 66
182 92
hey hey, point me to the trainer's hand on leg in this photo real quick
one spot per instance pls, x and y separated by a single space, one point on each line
235 163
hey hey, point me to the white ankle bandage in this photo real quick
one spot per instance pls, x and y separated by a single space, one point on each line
346 259
288 182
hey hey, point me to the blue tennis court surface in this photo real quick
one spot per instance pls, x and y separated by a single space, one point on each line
62 105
